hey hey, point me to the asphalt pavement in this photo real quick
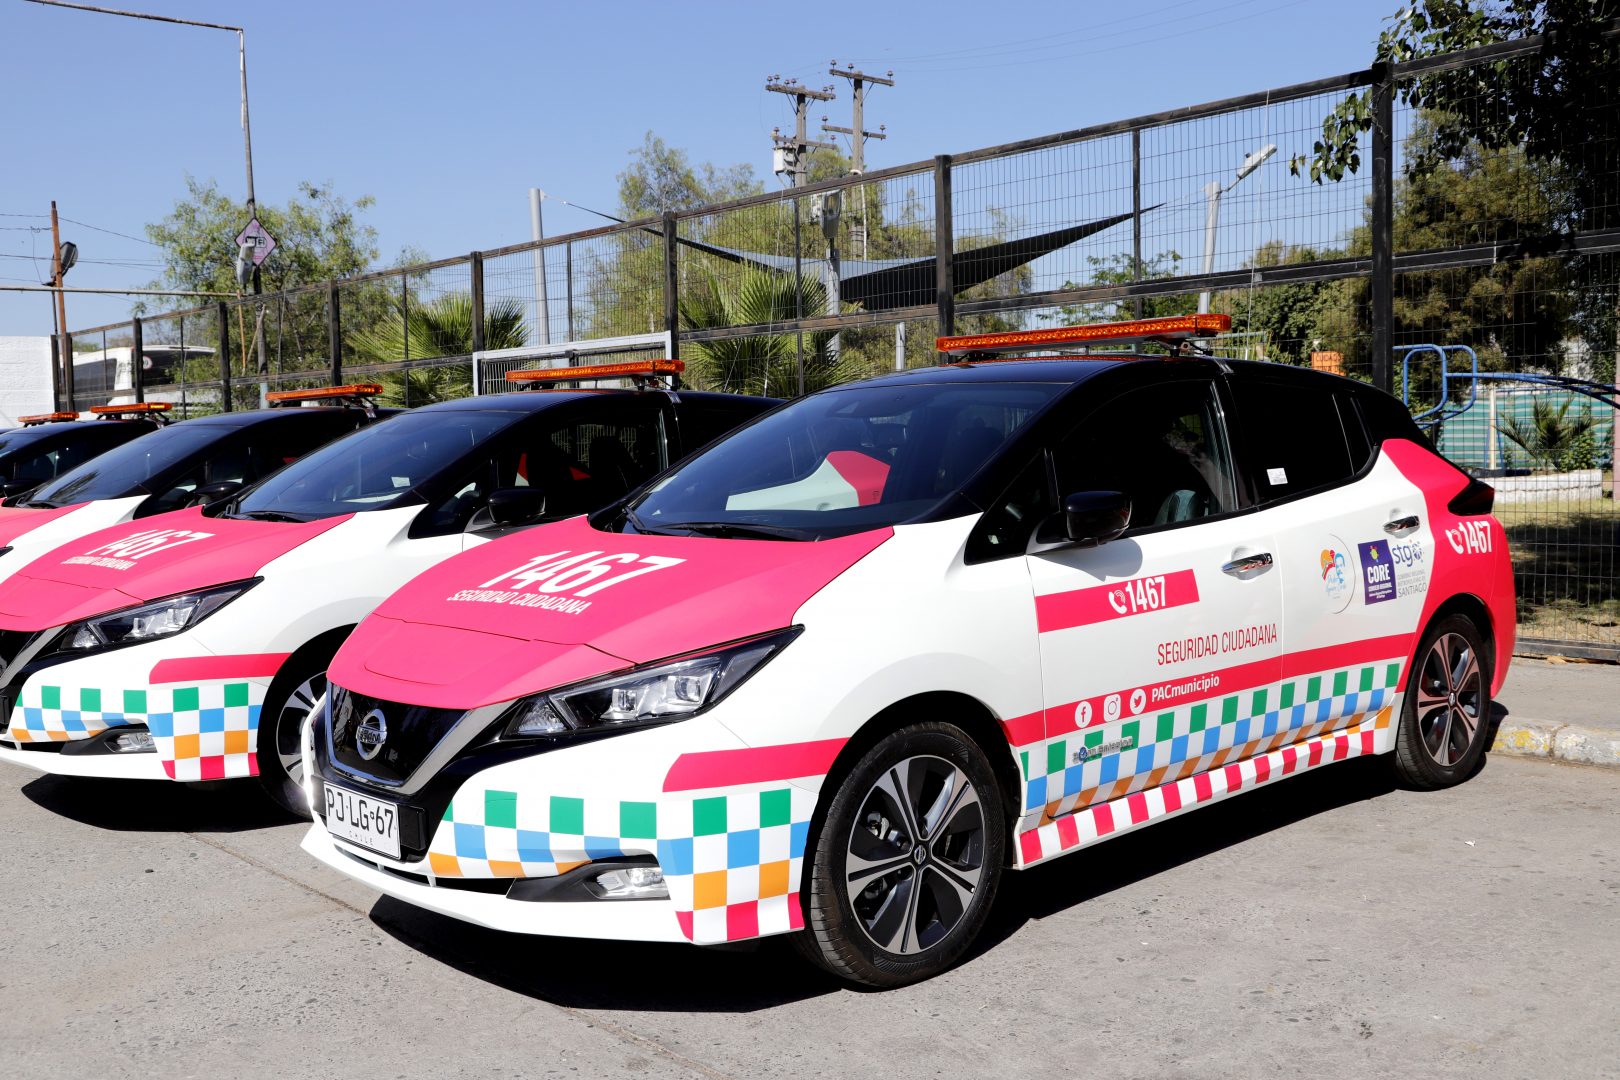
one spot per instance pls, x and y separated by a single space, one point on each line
1328 925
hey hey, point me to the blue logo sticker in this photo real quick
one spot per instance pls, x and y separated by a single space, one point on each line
1377 572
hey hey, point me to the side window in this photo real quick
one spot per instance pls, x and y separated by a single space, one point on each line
1164 446
1294 437
705 419
284 442
226 460
1006 527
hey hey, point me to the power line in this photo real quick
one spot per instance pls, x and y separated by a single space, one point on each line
112 232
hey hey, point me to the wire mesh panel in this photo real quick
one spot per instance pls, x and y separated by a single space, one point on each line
493 365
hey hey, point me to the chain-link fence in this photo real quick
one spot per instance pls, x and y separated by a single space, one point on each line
1476 282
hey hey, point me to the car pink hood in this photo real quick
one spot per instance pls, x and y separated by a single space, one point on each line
159 556
16 520
564 602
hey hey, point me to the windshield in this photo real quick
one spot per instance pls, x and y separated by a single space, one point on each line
842 461
376 468
124 471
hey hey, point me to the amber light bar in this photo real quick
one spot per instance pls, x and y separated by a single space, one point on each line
134 409
1170 329
598 371
319 393
47 417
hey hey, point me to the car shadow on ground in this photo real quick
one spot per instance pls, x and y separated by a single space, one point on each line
639 977
157 806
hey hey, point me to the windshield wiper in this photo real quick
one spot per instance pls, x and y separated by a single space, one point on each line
733 528
268 515
38 504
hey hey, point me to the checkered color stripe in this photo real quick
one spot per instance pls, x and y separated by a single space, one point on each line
1180 742
732 861
1368 733
203 732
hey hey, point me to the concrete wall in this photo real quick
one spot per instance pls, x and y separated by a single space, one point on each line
25 377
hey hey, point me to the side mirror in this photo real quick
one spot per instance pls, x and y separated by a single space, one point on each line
516 506
1095 517
208 494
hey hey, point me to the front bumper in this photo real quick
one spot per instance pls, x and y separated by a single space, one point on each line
730 842
201 710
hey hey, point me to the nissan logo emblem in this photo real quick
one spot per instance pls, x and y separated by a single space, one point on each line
371 734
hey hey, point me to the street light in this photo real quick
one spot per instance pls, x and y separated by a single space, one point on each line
1214 191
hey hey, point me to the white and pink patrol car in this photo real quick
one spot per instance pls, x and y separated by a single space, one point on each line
191 645
838 673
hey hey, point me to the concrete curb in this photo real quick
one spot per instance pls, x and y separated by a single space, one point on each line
1558 742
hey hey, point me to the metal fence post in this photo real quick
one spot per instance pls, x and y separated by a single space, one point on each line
672 298
136 347
944 247
1136 217
222 313
1381 306
334 331
477 258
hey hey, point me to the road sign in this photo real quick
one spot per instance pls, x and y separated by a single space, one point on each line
257 237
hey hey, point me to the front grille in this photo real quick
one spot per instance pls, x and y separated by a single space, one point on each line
412 731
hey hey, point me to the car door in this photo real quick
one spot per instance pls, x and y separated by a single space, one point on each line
1353 549
1160 650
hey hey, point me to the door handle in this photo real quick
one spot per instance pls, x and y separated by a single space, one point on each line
1401 524
1247 564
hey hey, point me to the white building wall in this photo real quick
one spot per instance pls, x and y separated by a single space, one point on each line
25 377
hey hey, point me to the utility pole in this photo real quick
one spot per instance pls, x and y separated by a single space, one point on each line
64 343
790 156
858 135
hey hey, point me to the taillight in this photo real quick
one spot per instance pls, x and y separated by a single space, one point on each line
1475 499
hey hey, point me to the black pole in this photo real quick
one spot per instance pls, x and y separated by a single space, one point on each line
477 259
944 247
334 331
136 361
1136 215
798 288
56 366
1381 307
568 272
222 313
672 296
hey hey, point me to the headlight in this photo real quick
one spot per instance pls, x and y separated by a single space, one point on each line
160 618
666 691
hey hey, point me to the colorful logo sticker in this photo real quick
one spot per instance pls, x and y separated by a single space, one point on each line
1335 566
1377 572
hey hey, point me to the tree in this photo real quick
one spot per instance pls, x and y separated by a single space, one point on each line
662 177
439 327
1553 439
319 237
1119 269
765 364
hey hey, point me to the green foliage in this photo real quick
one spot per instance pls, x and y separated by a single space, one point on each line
1117 269
764 363
661 177
1293 320
1553 439
439 327
319 237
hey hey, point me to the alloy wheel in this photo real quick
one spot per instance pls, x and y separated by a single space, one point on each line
290 725
916 854
1448 699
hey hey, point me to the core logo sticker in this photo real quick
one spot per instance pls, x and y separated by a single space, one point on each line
122 553
1120 600
559 580
1377 572
1470 538
1335 566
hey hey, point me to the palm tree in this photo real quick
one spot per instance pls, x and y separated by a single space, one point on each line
440 327
762 363
1551 438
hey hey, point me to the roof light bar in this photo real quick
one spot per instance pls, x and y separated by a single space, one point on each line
46 418
633 369
1170 330
137 408
323 393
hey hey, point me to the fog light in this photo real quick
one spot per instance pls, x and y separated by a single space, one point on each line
133 742
633 883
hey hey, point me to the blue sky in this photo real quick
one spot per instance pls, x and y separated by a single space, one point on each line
447 114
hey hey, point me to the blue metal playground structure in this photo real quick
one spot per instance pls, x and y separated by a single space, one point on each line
1473 438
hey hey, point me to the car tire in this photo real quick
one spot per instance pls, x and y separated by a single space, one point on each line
1446 714
292 694
929 787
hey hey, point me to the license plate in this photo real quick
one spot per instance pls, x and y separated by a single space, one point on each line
361 819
